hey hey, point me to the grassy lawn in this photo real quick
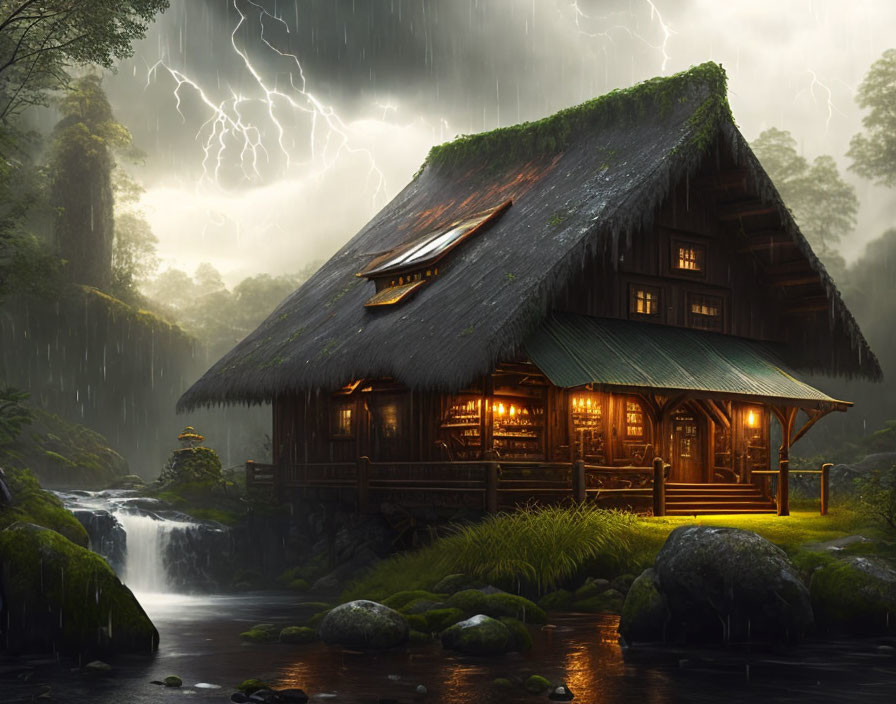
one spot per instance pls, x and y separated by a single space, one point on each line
540 550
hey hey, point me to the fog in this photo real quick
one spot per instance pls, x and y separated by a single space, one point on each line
275 129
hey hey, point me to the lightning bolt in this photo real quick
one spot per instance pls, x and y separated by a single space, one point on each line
328 139
580 17
829 100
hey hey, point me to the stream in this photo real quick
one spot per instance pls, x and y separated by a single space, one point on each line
200 643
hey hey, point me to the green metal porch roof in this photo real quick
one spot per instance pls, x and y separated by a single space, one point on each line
574 350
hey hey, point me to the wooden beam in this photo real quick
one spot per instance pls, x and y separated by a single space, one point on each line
795 266
762 245
743 209
785 281
812 304
814 417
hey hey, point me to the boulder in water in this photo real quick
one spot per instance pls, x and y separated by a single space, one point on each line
722 583
479 635
62 597
365 625
856 595
644 613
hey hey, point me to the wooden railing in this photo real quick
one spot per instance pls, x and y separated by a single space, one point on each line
782 474
488 484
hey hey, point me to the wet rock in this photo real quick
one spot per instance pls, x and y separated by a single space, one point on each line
479 635
726 583
456 583
559 600
261 633
239 698
173 681
107 537
561 694
98 666
292 696
855 595
421 690
623 583
44 583
363 625
608 601
644 613
537 684
520 640
591 587
264 696
361 561
298 635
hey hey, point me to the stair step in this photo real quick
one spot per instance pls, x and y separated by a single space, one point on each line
716 500
716 511
696 506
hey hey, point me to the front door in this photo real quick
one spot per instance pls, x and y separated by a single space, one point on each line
688 463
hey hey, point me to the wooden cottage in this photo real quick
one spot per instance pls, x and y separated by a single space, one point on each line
609 303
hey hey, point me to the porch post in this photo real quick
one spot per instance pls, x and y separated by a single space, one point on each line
825 486
659 487
788 416
579 492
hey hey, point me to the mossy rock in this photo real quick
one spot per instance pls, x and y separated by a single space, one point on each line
559 600
298 635
44 580
537 684
623 583
520 638
251 686
513 606
479 635
247 579
317 619
470 601
644 612
855 595
417 622
454 583
419 606
401 599
438 620
173 681
261 633
416 637
609 601
31 504
364 625
502 683
591 587
299 585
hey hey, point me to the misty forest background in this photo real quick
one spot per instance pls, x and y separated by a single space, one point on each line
97 335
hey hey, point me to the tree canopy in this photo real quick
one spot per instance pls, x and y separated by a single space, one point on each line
873 153
41 39
822 203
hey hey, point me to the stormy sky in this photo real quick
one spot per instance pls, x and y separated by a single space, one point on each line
274 129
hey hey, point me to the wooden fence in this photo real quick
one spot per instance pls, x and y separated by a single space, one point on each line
487 485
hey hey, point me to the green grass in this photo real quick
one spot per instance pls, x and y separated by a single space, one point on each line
543 549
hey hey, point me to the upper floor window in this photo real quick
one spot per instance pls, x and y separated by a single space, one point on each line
644 300
704 312
342 421
688 256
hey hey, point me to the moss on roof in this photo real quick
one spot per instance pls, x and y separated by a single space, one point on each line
553 134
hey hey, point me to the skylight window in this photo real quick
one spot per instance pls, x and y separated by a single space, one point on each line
432 246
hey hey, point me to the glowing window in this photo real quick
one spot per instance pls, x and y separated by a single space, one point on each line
689 257
634 420
342 424
394 294
704 312
644 300
389 424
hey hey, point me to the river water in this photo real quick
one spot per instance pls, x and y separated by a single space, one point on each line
200 643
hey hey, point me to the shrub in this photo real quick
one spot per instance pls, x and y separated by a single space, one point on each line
877 492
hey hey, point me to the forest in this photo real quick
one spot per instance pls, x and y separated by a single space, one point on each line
104 324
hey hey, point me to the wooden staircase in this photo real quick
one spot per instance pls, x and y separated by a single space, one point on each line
715 499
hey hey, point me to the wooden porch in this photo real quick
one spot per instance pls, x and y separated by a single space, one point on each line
493 486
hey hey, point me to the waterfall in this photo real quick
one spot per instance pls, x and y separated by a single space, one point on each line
152 548
148 537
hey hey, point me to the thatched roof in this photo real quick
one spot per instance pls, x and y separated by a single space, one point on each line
581 181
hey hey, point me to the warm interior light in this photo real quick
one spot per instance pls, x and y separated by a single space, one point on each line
500 409
512 411
751 419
